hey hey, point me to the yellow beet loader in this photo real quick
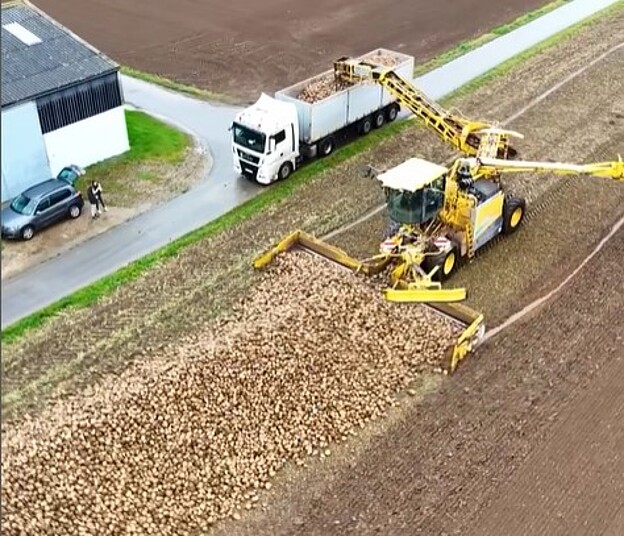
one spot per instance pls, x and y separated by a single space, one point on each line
481 139
440 218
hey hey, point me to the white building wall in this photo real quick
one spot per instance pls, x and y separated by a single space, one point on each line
24 160
89 141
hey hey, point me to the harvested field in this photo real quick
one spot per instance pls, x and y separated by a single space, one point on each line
526 438
240 48
179 296
210 421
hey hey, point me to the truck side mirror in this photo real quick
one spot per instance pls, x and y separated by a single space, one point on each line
271 145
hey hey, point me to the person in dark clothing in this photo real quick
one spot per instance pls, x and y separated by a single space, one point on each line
97 188
93 201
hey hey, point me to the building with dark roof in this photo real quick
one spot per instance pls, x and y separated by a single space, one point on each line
62 101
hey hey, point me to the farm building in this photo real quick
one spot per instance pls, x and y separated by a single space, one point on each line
62 101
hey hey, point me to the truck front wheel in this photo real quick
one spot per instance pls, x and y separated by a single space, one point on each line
284 171
327 147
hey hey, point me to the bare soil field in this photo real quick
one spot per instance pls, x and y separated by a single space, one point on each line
240 48
436 461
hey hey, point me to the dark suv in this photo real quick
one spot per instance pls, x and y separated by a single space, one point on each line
43 204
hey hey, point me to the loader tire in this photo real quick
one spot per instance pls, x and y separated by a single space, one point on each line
513 214
447 263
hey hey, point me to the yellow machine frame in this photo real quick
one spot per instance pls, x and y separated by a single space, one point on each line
473 138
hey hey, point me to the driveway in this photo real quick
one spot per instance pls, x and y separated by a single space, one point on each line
219 192
222 190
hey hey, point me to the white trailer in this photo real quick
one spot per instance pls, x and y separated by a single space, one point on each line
274 136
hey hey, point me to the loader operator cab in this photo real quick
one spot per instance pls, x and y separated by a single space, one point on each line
414 191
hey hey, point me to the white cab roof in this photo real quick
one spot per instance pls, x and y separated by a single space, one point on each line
411 175
266 115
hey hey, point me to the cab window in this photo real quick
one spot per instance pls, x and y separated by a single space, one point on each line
279 137
57 197
44 204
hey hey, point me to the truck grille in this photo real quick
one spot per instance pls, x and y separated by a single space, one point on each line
248 157
249 170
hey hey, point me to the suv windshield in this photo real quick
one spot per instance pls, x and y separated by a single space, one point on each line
23 205
249 138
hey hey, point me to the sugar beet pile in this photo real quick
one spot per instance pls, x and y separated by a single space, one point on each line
195 434
327 85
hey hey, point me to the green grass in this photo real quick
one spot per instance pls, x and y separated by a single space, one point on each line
273 195
151 139
467 46
193 91
151 142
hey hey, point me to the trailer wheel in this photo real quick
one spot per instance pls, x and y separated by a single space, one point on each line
366 126
379 119
392 112
284 171
513 214
327 146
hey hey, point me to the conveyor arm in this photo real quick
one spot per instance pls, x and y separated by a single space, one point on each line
473 138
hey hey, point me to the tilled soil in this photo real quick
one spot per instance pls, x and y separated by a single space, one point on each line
179 296
240 48
171 447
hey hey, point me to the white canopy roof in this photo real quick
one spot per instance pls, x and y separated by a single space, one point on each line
411 175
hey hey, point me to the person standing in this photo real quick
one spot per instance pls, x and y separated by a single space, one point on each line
97 187
93 201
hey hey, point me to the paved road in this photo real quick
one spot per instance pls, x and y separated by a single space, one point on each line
221 190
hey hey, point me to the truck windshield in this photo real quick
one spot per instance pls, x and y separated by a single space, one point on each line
248 138
414 207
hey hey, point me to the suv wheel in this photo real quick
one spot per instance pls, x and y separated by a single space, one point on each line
74 212
28 232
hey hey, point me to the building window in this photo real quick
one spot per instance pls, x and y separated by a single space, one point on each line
79 102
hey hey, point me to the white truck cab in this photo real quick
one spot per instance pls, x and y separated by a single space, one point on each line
265 140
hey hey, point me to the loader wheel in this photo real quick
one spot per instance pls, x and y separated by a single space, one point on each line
447 264
513 214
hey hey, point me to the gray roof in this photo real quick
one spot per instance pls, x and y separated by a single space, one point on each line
61 59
